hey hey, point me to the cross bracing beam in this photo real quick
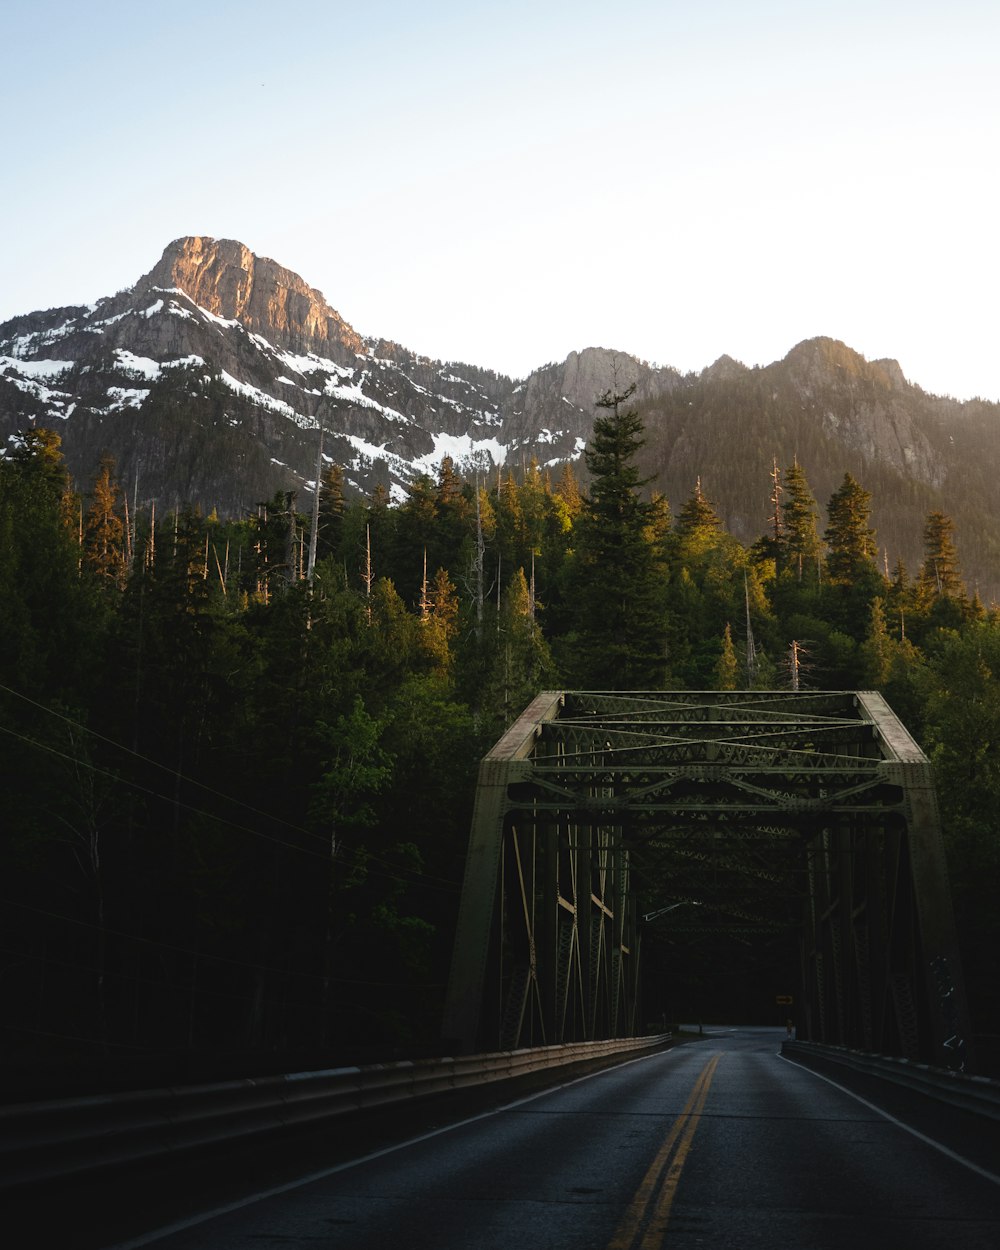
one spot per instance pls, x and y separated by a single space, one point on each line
829 785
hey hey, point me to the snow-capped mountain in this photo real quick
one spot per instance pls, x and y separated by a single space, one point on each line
209 381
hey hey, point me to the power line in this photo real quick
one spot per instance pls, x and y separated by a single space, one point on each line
173 772
360 860
101 772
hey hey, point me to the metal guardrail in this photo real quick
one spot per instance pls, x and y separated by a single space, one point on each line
60 1139
979 1094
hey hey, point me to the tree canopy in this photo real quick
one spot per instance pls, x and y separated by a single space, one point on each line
238 795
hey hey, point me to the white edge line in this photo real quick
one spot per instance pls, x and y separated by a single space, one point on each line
179 1226
929 1141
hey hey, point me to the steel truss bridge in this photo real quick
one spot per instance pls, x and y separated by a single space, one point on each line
829 790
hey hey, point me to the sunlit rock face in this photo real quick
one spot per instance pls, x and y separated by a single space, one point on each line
866 405
227 279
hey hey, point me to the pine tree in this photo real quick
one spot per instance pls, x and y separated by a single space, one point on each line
449 486
728 666
439 621
455 518
799 543
275 545
852 548
899 599
48 617
331 512
39 453
521 664
416 534
661 521
510 528
877 648
374 542
697 522
939 574
104 529
567 488
534 502
619 643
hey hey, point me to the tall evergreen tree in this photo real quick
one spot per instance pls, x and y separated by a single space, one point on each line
697 521
510 528
48 620
331 511
940 577
38 453
416 540
568 490
439 622
852 549
619 641
455 516
727 667
899 598
521 664
799 543
534 500
104 528
877 649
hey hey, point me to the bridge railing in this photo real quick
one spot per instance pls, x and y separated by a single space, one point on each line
42 1141
70 1137
972 1093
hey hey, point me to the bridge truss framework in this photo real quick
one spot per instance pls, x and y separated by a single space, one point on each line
548 938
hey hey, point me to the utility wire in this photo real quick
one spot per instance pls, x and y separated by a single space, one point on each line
360 859
101 772
173 772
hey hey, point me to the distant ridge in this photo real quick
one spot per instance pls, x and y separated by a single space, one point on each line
209 380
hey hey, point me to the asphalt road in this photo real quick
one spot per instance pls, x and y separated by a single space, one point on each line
719 1143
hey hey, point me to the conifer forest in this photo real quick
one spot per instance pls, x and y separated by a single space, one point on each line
239 755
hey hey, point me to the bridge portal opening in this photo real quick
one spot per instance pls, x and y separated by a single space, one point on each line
636 857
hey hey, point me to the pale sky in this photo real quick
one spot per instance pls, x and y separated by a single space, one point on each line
502 184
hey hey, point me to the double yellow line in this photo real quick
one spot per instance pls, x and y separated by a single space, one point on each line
645 1222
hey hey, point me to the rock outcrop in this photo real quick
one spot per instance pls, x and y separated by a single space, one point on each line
227 279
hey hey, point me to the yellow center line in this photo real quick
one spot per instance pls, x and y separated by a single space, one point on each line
658 1224
660 1181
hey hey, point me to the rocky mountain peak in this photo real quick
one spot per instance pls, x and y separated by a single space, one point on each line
826 361
892 372
725 369
822 355
227 279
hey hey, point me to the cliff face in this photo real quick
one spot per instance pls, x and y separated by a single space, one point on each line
867 405
210 379
226 279
555 405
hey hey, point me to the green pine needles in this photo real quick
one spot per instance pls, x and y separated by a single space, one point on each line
618 643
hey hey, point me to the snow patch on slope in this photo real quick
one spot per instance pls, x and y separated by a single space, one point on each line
464 451
257 396
49 370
